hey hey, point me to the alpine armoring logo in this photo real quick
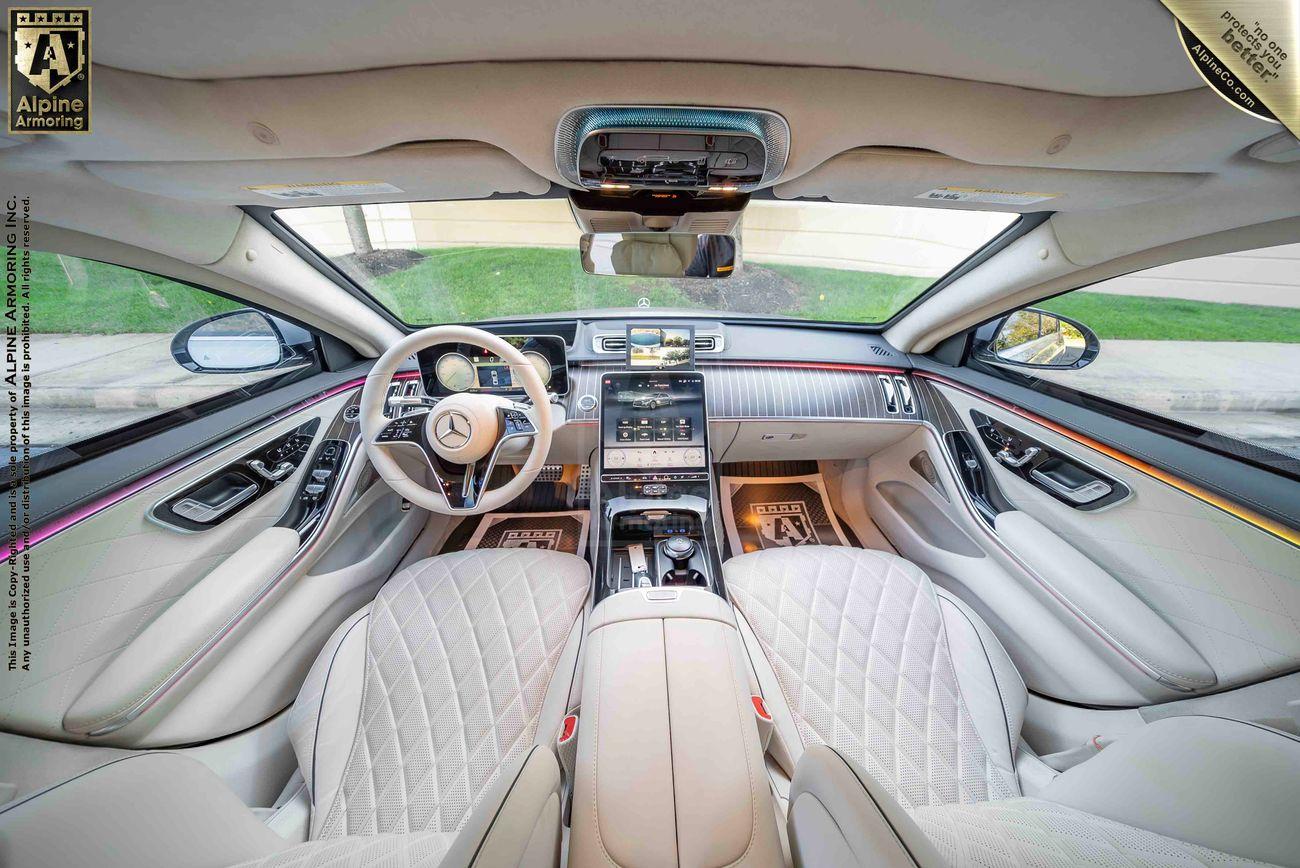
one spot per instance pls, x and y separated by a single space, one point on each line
49 79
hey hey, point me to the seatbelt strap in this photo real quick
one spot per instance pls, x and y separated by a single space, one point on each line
566 750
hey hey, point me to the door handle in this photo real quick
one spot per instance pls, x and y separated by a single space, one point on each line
1010 460
1085 493
206 513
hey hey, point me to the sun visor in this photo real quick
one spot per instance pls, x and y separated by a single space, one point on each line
412 172
904 176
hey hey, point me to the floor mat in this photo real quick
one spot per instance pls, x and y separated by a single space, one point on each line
556 531
763 512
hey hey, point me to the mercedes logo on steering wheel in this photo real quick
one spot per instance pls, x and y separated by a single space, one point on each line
452 429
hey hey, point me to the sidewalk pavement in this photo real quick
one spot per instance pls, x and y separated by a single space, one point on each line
118 372
1179 377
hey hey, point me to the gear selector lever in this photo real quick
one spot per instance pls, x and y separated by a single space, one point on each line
679 549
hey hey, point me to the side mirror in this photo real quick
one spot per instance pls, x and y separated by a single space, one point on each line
1033 338
236 342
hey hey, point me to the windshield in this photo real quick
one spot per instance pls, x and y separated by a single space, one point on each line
463 261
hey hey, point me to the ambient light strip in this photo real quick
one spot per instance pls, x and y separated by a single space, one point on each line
1236 510
77 516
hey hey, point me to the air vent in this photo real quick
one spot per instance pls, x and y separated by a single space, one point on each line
406 388
881 351
617 344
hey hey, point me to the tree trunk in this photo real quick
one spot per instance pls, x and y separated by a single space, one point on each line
357 230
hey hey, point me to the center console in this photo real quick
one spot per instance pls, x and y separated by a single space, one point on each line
655 483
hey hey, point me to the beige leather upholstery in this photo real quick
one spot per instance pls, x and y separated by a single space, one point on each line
167 643
841 816
459 653
1216 783
149 809
919 710
857 642
669 767
423 733
1226 587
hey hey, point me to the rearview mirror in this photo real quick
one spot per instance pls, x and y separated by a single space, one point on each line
239 341
1033 338
659 254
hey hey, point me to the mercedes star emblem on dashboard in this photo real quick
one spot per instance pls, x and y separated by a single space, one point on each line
452 430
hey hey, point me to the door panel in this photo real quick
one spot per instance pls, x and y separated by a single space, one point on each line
1055 652
101 584
1227 587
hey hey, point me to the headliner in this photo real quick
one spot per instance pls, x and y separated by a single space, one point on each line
1099 47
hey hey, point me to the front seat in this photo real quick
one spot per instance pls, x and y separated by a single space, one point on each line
898 714
423 733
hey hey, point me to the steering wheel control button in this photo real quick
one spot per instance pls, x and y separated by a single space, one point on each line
404 430
517 422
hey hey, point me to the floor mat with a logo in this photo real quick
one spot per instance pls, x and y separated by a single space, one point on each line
765 512
556 531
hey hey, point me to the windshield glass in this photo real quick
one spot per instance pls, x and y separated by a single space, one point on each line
463 261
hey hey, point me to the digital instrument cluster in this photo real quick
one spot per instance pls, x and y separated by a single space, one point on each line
450 368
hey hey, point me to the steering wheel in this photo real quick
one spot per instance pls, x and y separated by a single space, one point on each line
460 436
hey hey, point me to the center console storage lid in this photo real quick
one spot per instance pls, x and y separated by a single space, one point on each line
669 769
641 603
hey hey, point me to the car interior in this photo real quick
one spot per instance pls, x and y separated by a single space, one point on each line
700 435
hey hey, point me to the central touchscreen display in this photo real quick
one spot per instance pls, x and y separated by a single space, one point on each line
653 419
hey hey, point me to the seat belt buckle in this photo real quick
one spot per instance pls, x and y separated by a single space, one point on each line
566 750
763 718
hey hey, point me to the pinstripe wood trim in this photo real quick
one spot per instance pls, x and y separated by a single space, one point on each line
768 391
935 407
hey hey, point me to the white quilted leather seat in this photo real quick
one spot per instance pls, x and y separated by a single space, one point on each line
424 733
918 707
422 708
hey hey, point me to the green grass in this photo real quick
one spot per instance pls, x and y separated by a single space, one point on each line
84 297
471 283
1135 317
464 284
851 296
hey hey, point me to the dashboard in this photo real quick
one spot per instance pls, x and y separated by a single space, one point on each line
447 369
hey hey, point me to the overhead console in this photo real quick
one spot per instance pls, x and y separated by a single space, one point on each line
671 147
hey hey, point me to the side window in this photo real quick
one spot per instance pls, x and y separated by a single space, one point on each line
1213 343
112 347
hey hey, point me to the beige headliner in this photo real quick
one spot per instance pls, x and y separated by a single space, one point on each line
168 159
1102 47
